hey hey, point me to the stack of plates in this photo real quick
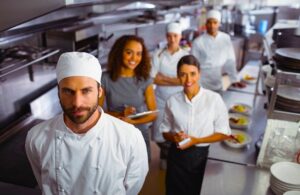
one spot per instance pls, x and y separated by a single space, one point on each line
288 59
288 98
285 176
292 193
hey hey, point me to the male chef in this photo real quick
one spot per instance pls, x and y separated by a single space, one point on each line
215 52
84 150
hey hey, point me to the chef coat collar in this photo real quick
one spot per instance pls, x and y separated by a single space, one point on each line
93 132
212 37
195 98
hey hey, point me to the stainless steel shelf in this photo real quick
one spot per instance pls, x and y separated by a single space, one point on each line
284 115
283 78
21 64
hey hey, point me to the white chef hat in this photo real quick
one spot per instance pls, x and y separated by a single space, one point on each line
78 64
174 27
214 14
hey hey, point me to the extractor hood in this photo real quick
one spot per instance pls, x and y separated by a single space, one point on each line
15 12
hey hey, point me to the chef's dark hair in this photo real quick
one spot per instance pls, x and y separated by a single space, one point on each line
188 59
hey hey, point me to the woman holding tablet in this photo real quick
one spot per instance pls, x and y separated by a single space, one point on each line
127 85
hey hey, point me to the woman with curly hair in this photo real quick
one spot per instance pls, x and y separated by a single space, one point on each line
127 86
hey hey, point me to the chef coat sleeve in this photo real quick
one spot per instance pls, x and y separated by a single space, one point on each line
195 50
221 122
230 64
33 158
155 64
137 167
166 125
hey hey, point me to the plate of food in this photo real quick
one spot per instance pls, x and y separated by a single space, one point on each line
249 79
238 139
240 108
137 115
238 121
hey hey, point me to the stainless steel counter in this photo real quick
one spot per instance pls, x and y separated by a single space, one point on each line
247 155
223 178
234 171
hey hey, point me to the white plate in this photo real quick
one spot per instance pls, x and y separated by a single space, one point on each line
246 78
142 114
289 92
287 172
238 117
240 108
292 193
247 140
283 185
276 190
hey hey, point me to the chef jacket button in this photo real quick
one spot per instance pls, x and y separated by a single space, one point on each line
60 168
95 191
98 167
59 137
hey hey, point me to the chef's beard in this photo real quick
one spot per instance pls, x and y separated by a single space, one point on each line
79 119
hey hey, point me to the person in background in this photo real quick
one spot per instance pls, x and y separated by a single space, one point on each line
215 51
164 63
127 86
84 150
194 118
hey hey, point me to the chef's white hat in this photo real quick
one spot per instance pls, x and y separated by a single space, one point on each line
214 14
78 64
174 27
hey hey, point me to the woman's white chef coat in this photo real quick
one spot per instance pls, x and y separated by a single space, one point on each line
165 63
203 116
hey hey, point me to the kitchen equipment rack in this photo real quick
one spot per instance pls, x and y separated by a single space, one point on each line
26 63
283 78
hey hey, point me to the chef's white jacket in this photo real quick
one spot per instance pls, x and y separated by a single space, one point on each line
165 63
203 116
111 158
216 55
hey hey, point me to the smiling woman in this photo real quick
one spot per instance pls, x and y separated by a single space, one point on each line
188 71
192 120
127 86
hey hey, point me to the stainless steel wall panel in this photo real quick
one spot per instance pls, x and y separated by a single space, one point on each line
14 12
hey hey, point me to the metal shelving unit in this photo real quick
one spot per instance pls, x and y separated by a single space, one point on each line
19 64
283 78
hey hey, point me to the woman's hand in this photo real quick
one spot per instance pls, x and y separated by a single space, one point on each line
189 144
128 110
178 137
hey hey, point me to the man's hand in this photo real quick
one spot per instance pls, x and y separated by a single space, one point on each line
239 85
